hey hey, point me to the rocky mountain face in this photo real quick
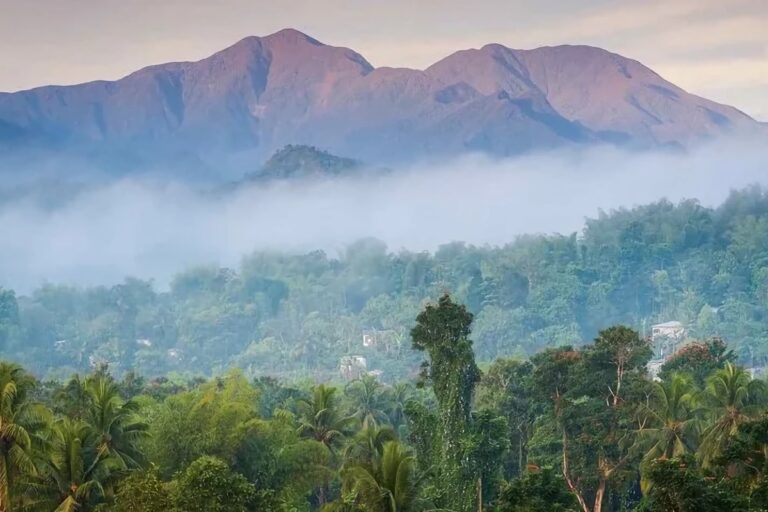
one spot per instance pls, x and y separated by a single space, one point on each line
238 106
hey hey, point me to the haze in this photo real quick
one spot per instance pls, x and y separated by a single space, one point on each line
153 229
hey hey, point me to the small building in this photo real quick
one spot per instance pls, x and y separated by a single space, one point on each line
667 339
669 330
353 367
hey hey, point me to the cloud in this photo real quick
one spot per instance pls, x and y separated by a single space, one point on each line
152 229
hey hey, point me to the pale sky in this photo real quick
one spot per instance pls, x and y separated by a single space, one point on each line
714 48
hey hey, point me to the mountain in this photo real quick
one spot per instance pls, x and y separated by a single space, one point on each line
238 106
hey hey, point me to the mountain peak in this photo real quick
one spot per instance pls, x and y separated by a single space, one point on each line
292 36
288 88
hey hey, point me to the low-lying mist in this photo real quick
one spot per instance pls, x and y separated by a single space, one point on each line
152 229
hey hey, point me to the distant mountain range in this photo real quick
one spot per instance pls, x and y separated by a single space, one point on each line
236 107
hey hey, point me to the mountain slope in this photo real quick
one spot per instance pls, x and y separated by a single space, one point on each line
607 92
241 104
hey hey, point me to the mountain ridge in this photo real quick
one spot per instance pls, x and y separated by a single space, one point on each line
248 100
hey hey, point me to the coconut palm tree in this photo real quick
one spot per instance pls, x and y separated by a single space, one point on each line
731 399
320 418
368 443
390 484
398 397
72 399
71 480
115 423
673 420
20 422
370 399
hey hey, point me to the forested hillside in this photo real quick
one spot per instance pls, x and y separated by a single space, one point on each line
298 315
572 430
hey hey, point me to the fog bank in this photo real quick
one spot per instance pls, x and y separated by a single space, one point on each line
152 229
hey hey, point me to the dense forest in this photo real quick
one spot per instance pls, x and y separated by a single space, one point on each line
296 316
572 429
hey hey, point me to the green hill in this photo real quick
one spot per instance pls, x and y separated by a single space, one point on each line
298 161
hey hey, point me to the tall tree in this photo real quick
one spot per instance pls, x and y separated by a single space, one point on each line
387 484
731 399
369 399
115 422
669 424
442 331
20 422
591 394
506 389
321 419
73 477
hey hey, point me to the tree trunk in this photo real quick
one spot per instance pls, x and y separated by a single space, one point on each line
480 494
321 496
567 476
599 494
619 378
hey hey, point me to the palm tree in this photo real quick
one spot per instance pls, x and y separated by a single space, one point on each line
388 485
731 398
115 423
369 399
320 418
673 419
72 478
398 398
368 443
20 421
72 399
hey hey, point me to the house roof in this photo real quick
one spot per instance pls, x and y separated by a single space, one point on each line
672 324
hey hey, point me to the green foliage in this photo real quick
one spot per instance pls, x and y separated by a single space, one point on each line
284 467
205 421
388 483
732 399
321 419
292 316
698 360
679 487
75 472
9 316
540 491
142 492
696 439
296 161
506 389
670 423
442 331
209 485
20 424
